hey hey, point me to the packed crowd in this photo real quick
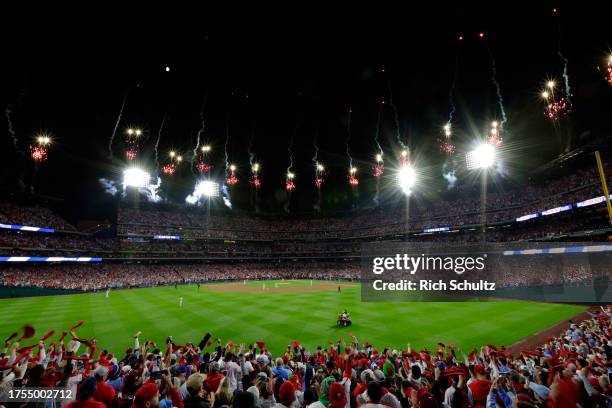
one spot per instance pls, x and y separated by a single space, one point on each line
459 209
31 215
506 271
14 243
100 276
570 370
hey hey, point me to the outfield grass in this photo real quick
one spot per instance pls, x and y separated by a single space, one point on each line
278 317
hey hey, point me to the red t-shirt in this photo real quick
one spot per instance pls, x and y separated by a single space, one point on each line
212 382
480 389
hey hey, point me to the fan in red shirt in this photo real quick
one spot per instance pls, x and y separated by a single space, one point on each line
480 386
214 377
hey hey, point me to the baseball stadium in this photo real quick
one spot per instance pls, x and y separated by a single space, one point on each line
242 226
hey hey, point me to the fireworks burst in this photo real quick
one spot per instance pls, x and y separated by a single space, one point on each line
405 158
319 175
289 183
232 179
379 167
445 142
557 107
255 180
352 178
38 153
495 134
171 168
202 166
132 141
40 150
607 70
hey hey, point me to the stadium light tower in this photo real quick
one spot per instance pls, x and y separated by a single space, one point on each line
482 157
135 177
406 178
208 188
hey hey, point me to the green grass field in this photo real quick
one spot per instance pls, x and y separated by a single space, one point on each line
278 317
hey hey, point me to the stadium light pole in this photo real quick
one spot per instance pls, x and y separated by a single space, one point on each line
482 158
604 184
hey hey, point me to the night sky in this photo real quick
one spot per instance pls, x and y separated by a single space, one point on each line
274 73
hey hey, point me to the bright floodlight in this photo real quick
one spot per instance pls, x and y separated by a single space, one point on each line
179 158
232 167
203 189
545 95
255 167
379 157
406 177
550 84
290 175
320 167
206 149
135 177
353 170
207 188
481 157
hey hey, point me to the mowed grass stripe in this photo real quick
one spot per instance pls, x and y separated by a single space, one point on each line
278 317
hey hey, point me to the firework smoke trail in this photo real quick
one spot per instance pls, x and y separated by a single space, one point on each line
449 172
565 61
348 138
451 90
377 132
500 99
200 131
11 130
315 158
112 138
227 136
226 193
156 147
395 114
250 147
380 151
315 162
290 151
255 190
